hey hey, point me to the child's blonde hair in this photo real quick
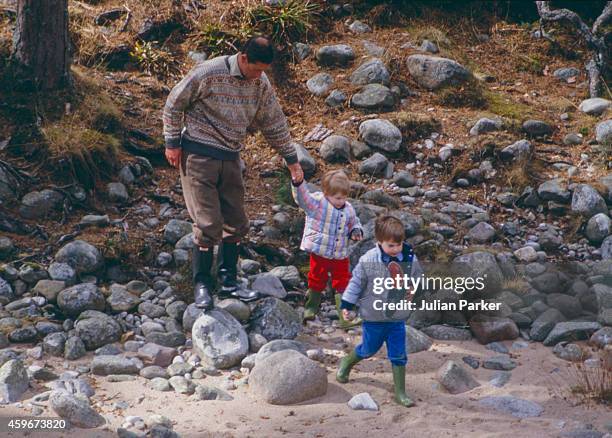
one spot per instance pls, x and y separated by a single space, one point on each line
389 229
336 182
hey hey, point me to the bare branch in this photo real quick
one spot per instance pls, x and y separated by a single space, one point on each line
547 14
606 15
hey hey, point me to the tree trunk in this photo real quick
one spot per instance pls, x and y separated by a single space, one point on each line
40 42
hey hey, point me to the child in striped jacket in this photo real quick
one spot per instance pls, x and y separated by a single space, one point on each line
330 222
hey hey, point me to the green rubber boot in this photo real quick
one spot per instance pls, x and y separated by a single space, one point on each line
399 383
311 307
346 364
343 323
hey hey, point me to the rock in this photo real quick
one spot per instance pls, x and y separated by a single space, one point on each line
381 134
236 308
74 348
606 248
156 354
75 410
175 229
287 377
570 352
554 190
203 392
76 299
275 319
480 264
500 378
92 220
320 84
379 197
176 309
151 310
601 337
160 384
170 339
374 166
433 72
49 289
502 362
302 51
54 344
488 329
24 334
537 128
219 340
9 186
569 306
570 331
105 365
6 292
603 132
120 300
359 27
110 350
485 125
182 385
527 254
191 314
13 381
517 150
455 379
97 329
279 345
587 202
594 106
416 340
429 46
335 99
153 371
566 73
337 55
374 97
117 192
6 247
362 402
179 369
544 323
447 333
572 139
404 179
598 228
83 257
309 166
372 71
288 275
62 272
38 205
514 406
360 150
335 148
480 233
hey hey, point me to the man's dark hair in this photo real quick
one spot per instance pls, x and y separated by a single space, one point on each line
259 49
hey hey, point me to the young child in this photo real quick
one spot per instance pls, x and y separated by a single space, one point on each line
381 324
330 222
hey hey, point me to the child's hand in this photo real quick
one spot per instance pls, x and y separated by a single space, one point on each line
348 315
356 235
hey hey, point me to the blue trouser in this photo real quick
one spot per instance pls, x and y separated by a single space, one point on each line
374 333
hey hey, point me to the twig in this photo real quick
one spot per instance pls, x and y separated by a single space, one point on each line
128 17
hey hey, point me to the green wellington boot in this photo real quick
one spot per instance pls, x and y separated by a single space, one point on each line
311 307
399 383
346 364
343 323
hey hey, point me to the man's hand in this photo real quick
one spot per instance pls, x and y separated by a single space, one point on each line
174 157
297 174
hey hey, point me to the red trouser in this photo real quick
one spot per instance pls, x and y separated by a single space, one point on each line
321 268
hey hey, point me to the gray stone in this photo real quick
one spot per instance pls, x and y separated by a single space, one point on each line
120 300
572 139
335 148
603 132
24 334
49 289
336 98
566 73
587 202
416 340
374 165
404 179
117 192
502 362
203 392
182 385
256 342
433 72
606 248
373 97
37 205
176 309
429 46
155 354
105 365
500 378
236 308
309 166
179 369
287 377
83 257
544 323
160 384
511 405
269 284
598 228
320 84
97 329
485 125
6 247
191 314
359 27
455 379
362 402
288 275
601 337
372 71
153 371
302 51
337 55
74 348
447 333
275 319
480 264
92 220
170 339
489 329
537 128
151 310
279 345
480 233
75 410
361 150
594 106
54 344
570 352
175 229
569 306
219 340
570 331
76 299
62 272
517 150
381 134
13 381
6 292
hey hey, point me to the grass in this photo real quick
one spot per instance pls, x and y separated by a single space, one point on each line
470 95
590 384
154 61
414 126
502 106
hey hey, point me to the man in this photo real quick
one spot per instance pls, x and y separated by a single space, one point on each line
206 119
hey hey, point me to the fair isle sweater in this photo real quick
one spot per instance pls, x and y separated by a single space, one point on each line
327 229
216 105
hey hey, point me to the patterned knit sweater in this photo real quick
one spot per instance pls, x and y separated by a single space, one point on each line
216 105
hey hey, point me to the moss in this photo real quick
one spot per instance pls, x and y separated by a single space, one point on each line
414 126
470 95
502 106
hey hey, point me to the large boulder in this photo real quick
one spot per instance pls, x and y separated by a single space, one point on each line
594 106
82 256
219 339
78 298
491 329
381 134
287 377
278 345
275 319
571 331
13 381
587 201
598 228
416 340
97 329
432 72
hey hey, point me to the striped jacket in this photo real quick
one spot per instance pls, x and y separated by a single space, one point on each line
216 105
327 229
